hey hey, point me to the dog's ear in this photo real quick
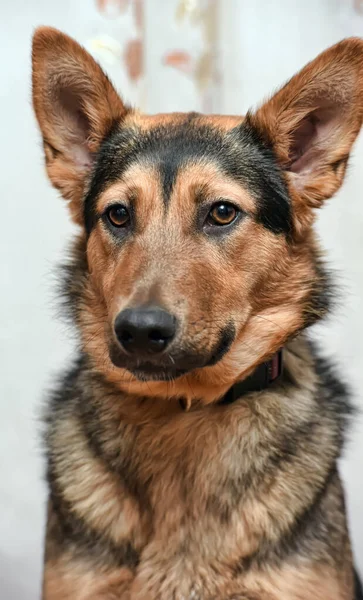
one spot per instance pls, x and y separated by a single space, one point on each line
312 122
76 106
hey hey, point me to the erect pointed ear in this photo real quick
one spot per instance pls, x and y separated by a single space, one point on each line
312 122
76 107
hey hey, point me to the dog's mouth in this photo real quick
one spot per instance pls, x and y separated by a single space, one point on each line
172 364
164 368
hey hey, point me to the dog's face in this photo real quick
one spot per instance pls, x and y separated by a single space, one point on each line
182 244
197 259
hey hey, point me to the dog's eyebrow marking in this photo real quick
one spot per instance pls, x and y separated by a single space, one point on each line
168 174
239 153
173 156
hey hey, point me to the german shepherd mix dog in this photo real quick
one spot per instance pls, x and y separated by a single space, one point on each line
192 448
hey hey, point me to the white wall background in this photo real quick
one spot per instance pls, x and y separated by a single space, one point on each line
261 44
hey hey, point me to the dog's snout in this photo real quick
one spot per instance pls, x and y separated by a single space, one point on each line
145 330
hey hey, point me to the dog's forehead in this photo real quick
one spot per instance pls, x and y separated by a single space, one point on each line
174 137
222 122
167 143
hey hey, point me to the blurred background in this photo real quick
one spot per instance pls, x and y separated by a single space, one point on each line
163 55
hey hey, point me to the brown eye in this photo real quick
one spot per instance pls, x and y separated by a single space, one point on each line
222 213
118 215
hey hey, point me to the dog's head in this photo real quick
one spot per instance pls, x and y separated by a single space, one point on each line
196 259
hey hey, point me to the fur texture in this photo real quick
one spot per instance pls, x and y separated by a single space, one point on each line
157 491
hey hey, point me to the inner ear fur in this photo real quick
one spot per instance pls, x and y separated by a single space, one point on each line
312 123
76 107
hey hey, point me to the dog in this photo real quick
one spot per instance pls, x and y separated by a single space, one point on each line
192 447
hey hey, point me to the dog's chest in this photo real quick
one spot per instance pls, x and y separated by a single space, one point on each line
195 495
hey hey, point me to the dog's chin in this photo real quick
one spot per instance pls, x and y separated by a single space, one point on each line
148 372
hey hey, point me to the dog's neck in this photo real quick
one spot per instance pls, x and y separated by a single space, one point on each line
260 379
264 375
162 451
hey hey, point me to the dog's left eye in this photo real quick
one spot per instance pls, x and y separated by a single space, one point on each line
222 213
118 215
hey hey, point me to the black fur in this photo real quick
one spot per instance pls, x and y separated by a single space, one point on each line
323 295
311 529
67 527
334 392
72 529
358 587
241 154
227 337
83 392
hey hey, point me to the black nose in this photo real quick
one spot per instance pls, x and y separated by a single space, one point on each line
145 330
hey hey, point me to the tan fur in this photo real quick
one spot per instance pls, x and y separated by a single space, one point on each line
148 500
59 62
337 73
260 319
163 537
290 584
293 583
65 580
108 507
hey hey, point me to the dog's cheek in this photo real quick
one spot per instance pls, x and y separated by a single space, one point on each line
102 260
94 316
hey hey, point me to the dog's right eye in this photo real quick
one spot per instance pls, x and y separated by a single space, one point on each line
118 215
222 213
